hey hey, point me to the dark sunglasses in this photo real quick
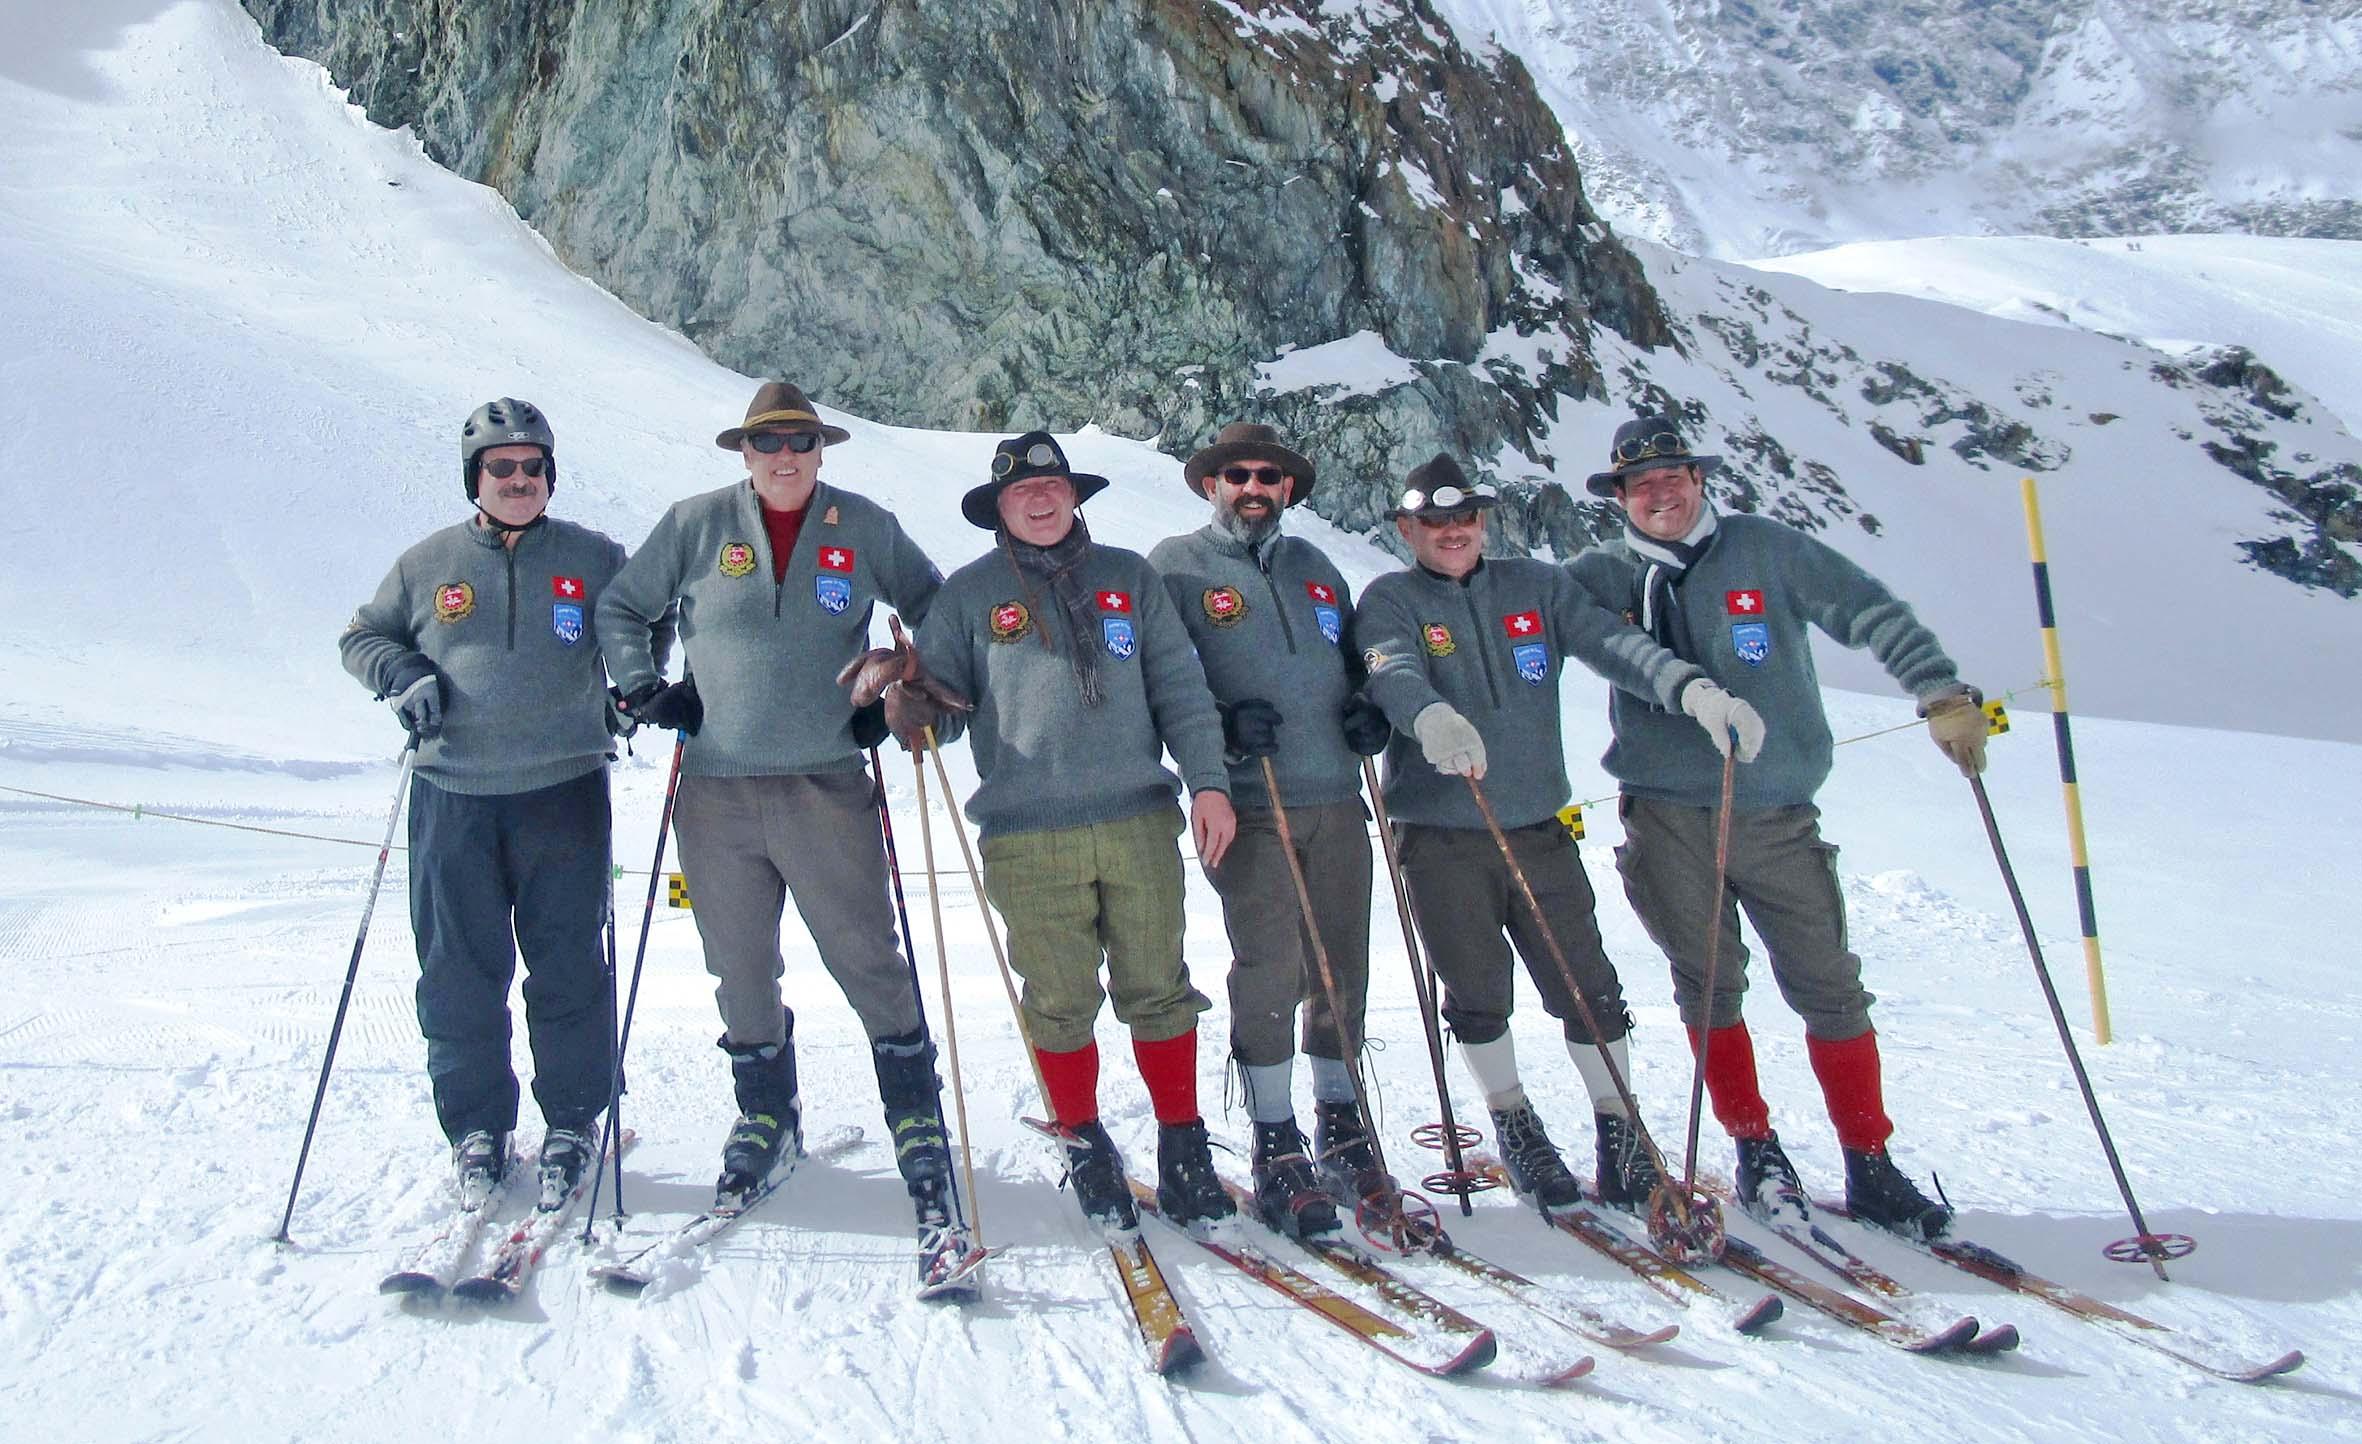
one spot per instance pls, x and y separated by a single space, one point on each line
1041 453
501 468
1648 448
799 442
1438 523
1270 476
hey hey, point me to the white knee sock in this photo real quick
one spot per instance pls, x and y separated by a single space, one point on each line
1494 1066
1596 1082
1268 1087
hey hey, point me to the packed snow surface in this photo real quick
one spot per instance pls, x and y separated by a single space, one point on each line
240 327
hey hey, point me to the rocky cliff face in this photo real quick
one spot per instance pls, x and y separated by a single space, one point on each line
998 215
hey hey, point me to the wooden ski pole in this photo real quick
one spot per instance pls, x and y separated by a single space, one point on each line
1697 1082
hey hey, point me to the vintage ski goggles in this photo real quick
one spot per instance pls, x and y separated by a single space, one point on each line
1650 447
1040 454
799 442
501 468
1438 506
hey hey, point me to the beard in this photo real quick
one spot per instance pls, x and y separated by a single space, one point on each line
1250 530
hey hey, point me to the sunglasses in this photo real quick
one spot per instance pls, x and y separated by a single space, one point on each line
1041 453
1430 522
1270 476
799 442
1648 448
501 468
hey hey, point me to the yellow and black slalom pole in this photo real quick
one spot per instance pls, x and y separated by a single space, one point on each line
2056 678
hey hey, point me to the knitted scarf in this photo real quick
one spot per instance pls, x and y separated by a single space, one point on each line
1056 566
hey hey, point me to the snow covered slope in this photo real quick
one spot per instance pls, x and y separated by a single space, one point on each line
239 326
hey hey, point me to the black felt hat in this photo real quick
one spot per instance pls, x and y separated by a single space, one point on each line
1021 458
1644 444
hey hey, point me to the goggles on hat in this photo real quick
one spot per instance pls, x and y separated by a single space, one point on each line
1041 453
799 442
501 468
1649 448
1448 498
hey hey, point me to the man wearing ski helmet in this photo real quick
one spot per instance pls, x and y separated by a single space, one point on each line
777 575
481 638
1734 596
1464 654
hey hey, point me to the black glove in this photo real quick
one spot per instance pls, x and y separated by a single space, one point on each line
869 725
415 692
1250 727
1366 729
675 708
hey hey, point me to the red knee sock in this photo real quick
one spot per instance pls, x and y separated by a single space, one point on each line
1073 1082
1730 1082
1848 1070
1169 1068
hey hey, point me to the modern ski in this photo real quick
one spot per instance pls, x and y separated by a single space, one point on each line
631 1274
429 1268
513 1260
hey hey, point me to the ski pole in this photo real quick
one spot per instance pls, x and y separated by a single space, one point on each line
352 970
910 954
1697 1082
607 1136
1450 1137
2155 1248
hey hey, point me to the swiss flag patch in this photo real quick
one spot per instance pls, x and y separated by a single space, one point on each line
1115 601
1321 592
1743 604
1522 624
836 559
568 589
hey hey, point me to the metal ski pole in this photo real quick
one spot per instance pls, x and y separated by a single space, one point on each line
2152 1248
1697 1082
607 1137
1446 1135
352 970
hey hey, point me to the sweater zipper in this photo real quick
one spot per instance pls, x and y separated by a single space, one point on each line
1278 603
1484 653
512 596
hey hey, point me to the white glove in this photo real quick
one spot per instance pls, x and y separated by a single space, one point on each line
1721 714
1449 740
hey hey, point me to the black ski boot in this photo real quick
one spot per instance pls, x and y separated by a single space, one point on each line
1097 1172
770 1118
1627 1173
1348 1160
913 1099
1767 1187
1188 1190
565 1156
1876 1192
1535 1170
1287 1190
480 1159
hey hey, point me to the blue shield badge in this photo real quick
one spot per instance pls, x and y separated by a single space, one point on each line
1120 644
1533 661
835 594
565 619
1331 626
1752 641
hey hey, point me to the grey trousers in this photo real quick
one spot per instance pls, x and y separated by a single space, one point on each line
1784 874
1272 967
1466 901
749 843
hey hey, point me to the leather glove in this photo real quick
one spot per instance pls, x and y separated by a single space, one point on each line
415 692
676 708
1449 741
869 725
1250 727
897 676
1957 723
1721 714
1366 729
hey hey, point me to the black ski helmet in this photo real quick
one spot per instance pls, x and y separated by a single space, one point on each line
506 422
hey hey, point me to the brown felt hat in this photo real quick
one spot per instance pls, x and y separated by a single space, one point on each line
1249 441
780 406
1644 444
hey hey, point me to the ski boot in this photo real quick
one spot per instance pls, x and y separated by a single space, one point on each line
1287 1191
770 1118
913 1099
480 1161
1348 1160
1766 1184
565 1156
1188 1190
1536 1171
1627 1174
1876 1192
1097 1172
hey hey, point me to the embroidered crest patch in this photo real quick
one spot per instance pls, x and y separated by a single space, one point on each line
1224 606
1438 638
1332 624
835 559
1120 643
1752 641
1010 621
738 558
1533 661
834 593
565 619
454 601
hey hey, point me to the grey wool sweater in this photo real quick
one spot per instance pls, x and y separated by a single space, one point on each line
511 632
1044 759
765 654
1741 611
1269 622
1491 644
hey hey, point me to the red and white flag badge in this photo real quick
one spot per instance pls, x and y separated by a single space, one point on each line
1321 592
1115 601
1522 624
836 559
1743 604
566 589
